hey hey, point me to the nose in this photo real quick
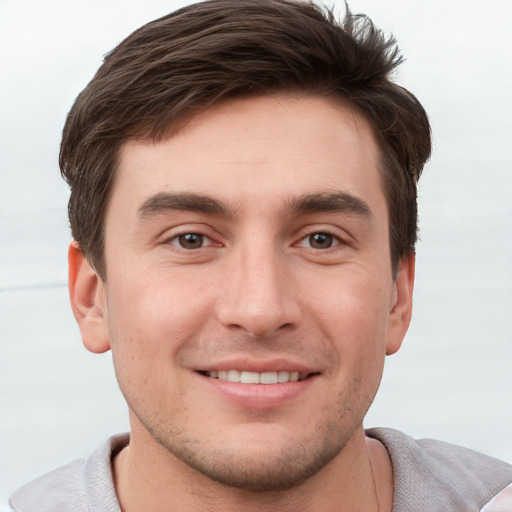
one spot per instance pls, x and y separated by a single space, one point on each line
259 296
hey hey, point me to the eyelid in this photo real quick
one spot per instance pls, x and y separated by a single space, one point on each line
175 240
173 234
336 241
340 236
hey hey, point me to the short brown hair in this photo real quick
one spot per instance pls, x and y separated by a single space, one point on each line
221 49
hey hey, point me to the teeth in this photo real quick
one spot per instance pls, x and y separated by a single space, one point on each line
268 378
233 376
249 378
283 376
255 377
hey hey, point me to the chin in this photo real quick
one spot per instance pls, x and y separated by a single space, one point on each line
263 466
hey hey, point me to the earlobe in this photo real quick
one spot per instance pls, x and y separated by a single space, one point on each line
401 304
88 300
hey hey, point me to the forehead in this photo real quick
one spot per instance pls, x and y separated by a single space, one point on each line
249 149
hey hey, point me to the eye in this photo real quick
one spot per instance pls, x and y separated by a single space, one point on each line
190 241
320 240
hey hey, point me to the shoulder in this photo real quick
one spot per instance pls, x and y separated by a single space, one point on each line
84 485
434 475
60 489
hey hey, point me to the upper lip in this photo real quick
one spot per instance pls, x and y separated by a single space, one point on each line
260 366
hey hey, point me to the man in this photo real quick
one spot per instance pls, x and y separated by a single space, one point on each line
243 203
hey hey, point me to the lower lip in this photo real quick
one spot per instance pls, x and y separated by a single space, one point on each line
259 396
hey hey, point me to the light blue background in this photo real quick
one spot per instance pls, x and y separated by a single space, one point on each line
453 377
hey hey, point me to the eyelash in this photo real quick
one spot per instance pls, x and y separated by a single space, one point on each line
175 240
335 240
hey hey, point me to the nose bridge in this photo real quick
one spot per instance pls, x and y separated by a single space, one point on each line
258 297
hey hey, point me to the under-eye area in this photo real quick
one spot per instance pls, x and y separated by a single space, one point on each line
246 377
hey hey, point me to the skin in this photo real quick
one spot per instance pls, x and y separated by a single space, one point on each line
284 265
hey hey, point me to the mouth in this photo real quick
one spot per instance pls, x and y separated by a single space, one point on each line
265 378
245 385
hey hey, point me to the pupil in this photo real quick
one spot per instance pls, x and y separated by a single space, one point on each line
191 241
320 240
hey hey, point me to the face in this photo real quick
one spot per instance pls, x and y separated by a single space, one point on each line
249 301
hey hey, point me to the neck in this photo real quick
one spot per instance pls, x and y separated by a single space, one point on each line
148 477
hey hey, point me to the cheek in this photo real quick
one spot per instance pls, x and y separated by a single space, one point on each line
353 315
150 321
153 307
148 326
356 305
358 338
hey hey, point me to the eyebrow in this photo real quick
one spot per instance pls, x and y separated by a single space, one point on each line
337 202
186 201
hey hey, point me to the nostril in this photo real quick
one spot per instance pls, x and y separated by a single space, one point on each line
259 309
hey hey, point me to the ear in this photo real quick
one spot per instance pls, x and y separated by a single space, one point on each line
401 304
88 301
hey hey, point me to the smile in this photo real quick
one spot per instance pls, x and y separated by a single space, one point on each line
245 377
